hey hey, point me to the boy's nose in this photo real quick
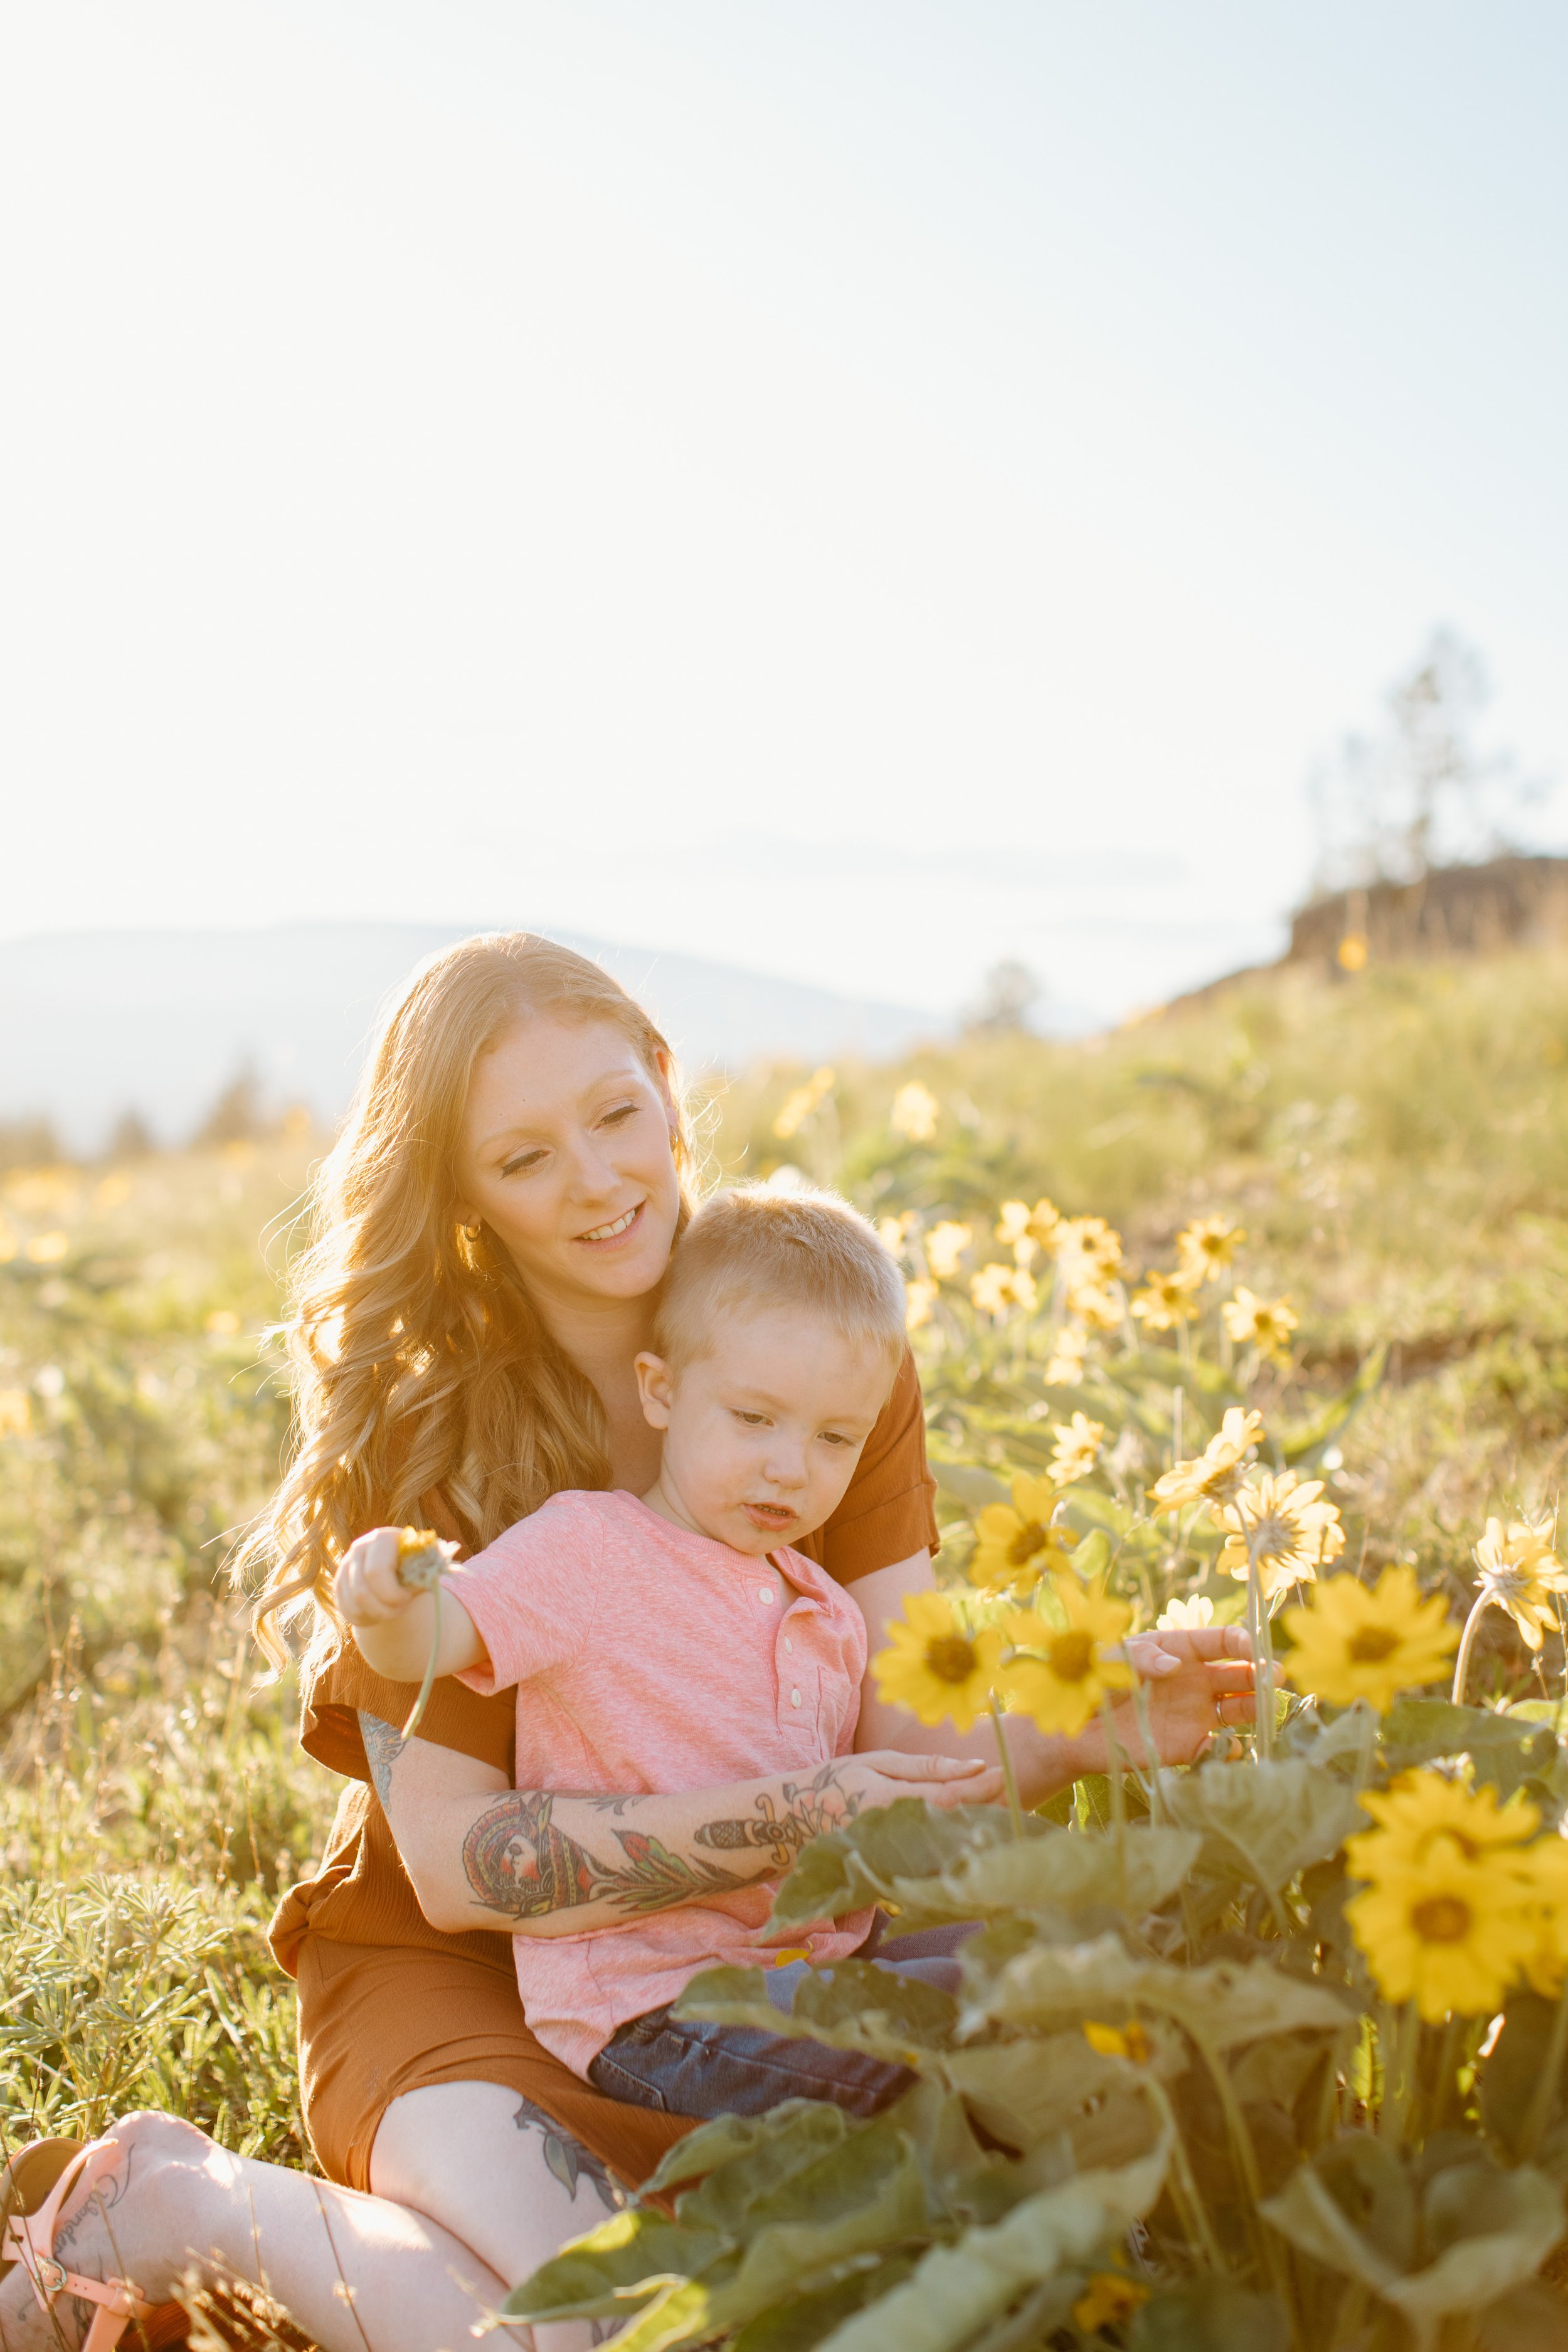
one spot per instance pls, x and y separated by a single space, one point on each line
785 1469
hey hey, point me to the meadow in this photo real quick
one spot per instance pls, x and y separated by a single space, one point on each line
1393 1148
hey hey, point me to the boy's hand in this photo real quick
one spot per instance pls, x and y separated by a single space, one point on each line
367 1587
885 1774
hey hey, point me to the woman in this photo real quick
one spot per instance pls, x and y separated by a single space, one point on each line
492 1231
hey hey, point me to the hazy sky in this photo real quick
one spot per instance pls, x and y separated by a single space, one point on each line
855 487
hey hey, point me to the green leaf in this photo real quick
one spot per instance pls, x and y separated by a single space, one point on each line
1298 1439
1529 2318
1225 2004
972 1487
1091 1555
626 2258
1269 1820
954 2290
1068 1873
1504 1748
800 2325
905 1840
1209 2315
1023 2090
800 2128
854 2005
730 2196
839 2220
1510 2076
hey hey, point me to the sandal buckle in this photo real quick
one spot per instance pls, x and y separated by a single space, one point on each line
43 2265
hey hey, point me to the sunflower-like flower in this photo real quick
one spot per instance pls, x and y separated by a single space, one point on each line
1066 1671
1419 1809
996 1288
919 1298
1093 1304
1217 1474
1076 1448
1017 1542
894 1232
1107 2298
1279 1522
1026 1231
1260 1323
1449 1935
934 1666
804 1104
1355 1643
1185 1616
1518 1569
1166 1299
914 1113
1065 1369
1088 1249
1206 1247
944 1246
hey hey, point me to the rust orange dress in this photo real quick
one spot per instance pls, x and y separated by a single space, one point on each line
388 2003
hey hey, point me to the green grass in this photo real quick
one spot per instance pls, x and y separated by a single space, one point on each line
1397 1147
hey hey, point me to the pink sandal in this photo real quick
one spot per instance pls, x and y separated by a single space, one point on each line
33 2187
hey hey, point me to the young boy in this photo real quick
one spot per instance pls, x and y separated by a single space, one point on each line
673 1642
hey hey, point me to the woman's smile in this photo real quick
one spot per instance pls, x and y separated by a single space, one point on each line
597 1236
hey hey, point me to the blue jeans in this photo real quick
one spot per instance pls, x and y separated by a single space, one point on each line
687 2067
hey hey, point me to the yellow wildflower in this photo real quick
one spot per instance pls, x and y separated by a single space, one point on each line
1279 1522
1259 1323
934 1666
1166 1299
111 1191
914 1113
1026 1231
223 1322
1206 1247
1217 1474
1447 1935
47 1249
1543 1870
1093 1304
1076 1448
1107 2298
1016 1541
15 1413
1518 1569
1088 1249
996 1288
804 1104
920 1296
1185 1616
1351 953
894 1232
1418 1809
1352 1643
1068 1669
1128 2041
944 1246
1065 1369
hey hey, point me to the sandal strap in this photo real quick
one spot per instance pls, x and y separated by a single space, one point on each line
29 2240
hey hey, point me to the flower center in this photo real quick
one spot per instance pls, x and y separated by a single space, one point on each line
1072 1657
950 1658
1371 1644
1029 1539
1441 1919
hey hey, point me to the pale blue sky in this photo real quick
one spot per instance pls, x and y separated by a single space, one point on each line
854 490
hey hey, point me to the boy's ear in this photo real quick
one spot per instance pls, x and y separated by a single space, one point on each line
655 1387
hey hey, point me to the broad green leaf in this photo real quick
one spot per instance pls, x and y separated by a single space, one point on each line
800 2325
954 2290
690 2311
1296 1440
1225 2004
1503 1748
1068 1873
1269 1820
1305 2212
853 2006
907 1840
728 2198
1209 2315
630 2256
828 1881
794 2132
787 2254
1529 2318
1510 2075
1513 2220
1022 2090
972 1487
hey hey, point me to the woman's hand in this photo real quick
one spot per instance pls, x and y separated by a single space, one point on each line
1196 1681
888 1773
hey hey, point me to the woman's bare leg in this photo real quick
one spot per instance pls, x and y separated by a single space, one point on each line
494 2170
357 2273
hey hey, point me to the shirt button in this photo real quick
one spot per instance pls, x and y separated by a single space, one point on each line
795 1698
765 1593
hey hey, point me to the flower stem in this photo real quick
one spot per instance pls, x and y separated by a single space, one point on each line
1117 1796
1262 1659
1150 1755
1009 1776
1184 2193
1399 2073
1466 1642
417 1715
1540 2110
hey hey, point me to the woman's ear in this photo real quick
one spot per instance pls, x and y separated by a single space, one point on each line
655 1387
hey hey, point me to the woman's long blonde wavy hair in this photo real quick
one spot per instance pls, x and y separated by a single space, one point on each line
418 1361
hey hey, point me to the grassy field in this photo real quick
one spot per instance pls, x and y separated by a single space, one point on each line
1395 1147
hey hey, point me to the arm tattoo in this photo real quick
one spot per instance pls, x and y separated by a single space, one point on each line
518 1861
810 1811
383 1743
520 1864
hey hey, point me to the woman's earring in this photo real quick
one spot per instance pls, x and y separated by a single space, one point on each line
475 1230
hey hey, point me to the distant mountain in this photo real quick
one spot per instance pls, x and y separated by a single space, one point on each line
93 1023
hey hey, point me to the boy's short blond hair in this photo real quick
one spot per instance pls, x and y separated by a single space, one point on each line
752 1249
